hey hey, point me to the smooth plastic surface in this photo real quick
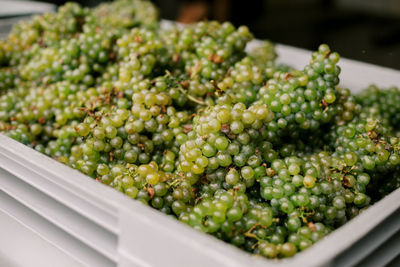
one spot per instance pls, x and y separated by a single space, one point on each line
9 8
27 248
94 225
12 12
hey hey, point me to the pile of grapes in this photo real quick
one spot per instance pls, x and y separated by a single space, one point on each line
261 155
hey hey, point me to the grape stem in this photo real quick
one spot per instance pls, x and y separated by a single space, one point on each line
183 91
192 98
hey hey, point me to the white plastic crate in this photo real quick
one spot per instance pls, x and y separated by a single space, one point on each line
69 219
12 11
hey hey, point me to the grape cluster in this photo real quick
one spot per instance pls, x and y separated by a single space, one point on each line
184 119
382 104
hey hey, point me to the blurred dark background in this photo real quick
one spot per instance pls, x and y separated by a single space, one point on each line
365 30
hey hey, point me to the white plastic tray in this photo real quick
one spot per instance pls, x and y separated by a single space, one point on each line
13 11
13 8
70 219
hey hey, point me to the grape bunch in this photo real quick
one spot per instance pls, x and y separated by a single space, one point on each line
382 104
186 120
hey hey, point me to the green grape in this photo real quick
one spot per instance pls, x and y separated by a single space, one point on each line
190 122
